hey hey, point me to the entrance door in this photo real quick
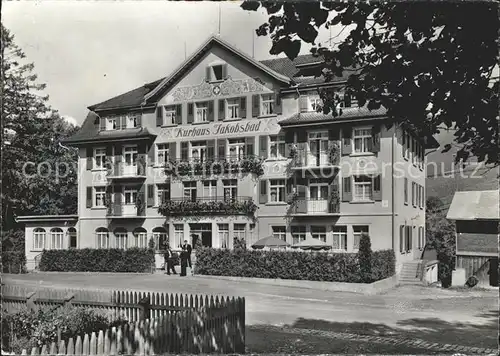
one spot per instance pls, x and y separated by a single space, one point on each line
493 272
203 232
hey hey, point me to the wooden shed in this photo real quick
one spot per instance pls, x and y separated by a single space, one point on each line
476 215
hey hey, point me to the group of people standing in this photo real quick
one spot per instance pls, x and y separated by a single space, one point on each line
185 259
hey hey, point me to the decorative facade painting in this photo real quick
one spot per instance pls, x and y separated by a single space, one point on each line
207 90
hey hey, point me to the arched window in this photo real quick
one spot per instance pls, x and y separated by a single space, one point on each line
57 237
38 238
72 238
102 235
121 238
161 238
141 237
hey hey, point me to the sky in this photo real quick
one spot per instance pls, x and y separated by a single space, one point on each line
89 51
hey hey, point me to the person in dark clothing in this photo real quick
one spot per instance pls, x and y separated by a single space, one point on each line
169 261
183 262
187 247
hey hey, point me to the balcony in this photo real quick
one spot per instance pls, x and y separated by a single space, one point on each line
122 170
304 158
314 207
120 210
209 206
215 166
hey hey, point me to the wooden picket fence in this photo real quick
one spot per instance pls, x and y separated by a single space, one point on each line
156 322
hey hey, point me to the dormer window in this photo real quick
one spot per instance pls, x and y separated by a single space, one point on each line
216 72
131 122
111 123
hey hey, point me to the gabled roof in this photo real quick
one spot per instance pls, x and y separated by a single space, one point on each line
475 205
213 40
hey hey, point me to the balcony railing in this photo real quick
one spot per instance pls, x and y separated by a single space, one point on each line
209 206
304 206
124 170
121 210
215 166
305 158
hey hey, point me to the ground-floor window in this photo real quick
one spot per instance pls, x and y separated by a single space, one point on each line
161 238
57 237
240 231
178 234
319 233
121 237
140 238
102 238
72 238
340 238
421 237
279 232
298 234
39 239
224 235
358 230
408 238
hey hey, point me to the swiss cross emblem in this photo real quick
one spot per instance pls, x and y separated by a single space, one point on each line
216 90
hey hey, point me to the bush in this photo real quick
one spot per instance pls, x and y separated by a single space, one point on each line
472 281
365 258
239 243
98 260
13 262
34 329
333 267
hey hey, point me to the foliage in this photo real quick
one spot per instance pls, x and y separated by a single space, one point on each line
335 200
472 281
333 267
98 260
13 262
31 133
201 208
239 243
214 167
440 235
430 65
152 244
34 329
365 258
333 153
433 205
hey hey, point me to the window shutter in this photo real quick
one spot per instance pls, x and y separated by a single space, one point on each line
376 138
333 135
109 156
289 186
159 116
405 190
190 117
118 153
413 197
151 155
263 146
172 151
301 136
138 120
277 104
102 123
255 105
222 109
250 146
178 114
90 158
404 144
208 73
184 151
224 71
423 197
151 195
377 188
303 103
211 111
221 149
346 141
124 122
211 149
89 197
243 107
401 239
263 192
346 190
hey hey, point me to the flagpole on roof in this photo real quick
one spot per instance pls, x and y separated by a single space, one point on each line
253 44
219 20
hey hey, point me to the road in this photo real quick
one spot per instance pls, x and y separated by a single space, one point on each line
424 312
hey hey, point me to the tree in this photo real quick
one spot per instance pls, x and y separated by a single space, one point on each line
31 132
440 236
365 258
433 204
429 64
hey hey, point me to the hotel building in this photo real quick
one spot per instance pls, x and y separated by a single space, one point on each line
230 146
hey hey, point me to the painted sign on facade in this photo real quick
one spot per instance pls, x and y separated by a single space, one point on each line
207 90
219 129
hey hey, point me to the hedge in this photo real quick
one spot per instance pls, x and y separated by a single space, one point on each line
332 267
98 260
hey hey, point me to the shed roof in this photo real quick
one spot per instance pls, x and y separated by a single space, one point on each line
475 205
